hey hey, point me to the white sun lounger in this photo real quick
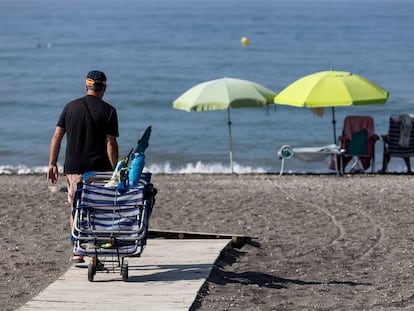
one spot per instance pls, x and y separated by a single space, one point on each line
309 154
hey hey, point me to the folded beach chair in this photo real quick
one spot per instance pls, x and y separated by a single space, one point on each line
358 142
399 142
110 223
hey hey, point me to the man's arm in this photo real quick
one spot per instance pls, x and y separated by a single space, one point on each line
112 150
55 142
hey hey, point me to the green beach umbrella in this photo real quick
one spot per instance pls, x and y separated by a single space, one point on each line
332 89
223 94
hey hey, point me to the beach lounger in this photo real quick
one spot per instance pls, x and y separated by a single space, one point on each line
399 141
310 154
111 224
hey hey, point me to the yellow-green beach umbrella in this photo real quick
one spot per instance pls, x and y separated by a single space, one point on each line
223 94
331 89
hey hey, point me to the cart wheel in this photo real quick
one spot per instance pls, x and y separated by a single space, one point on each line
91 271
124 272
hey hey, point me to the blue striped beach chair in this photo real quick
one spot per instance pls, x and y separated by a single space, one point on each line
111 224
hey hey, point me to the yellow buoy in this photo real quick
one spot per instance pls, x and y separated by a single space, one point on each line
245 41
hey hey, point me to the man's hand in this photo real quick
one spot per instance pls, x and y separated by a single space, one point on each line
52 174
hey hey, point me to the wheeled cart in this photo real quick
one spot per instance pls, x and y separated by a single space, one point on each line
111 224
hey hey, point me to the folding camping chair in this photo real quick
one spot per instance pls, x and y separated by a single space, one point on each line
358 142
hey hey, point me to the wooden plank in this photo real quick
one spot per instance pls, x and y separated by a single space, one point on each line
237 240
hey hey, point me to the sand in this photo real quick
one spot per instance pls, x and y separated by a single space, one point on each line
323 242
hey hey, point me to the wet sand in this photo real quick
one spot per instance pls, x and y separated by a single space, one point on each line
323 242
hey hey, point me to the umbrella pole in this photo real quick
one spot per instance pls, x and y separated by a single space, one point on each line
334 124
230 141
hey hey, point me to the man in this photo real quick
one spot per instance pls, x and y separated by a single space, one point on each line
91 126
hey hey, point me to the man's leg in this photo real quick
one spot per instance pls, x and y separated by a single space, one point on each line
72 184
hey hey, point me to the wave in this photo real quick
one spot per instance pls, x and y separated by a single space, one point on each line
198 168
158 168
22 170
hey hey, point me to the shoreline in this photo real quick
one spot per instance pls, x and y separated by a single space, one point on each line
323 242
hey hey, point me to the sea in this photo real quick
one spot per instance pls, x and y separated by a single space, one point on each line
154 50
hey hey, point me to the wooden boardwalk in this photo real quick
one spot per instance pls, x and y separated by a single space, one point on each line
166 277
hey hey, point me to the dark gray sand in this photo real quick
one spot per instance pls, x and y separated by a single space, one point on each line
323 242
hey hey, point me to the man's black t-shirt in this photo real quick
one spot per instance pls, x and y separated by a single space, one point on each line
87 121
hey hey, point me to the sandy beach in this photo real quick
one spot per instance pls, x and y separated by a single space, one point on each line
323 242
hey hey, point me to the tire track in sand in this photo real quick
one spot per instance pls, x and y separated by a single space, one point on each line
340 229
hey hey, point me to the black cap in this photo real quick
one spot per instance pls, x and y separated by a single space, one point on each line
95 77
